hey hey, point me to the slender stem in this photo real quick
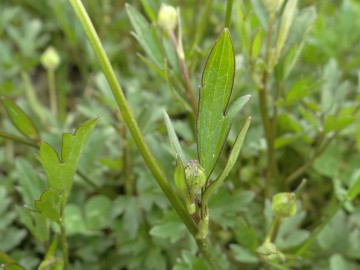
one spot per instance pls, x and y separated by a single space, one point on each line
52 92
228 13
185 73
64 243
263 99
129 119
274 229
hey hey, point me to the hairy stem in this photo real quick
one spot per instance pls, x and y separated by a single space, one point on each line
130 121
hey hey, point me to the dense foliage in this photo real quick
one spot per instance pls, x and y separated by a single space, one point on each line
62 174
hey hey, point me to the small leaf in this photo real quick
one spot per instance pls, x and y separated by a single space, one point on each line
256 45
20 119
13 266
146 36
174 139
217 84
49 204
52 263
354 190
60 173
230 162
98 212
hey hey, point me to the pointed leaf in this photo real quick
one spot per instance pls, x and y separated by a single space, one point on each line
49 204
20 119
230 163
146 36
60 173
217 83
174 139
354 190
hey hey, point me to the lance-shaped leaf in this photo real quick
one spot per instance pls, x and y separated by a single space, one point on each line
174 139
146 36
235 151
20 119
60 173
214 117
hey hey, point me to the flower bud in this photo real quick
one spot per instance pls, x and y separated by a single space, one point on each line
50 59
195 175
266 249
167 17
284 204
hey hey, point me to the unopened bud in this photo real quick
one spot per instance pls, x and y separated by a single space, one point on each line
167 17
284 204
203 227
50 59
195 175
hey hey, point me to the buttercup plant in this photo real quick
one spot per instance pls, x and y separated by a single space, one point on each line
181 121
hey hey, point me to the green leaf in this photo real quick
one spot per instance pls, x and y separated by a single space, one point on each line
49 204
230 162
13 266
60 173
20 119
338 122
174 139
146 36
256 45
98 212
52 263
244 255
354 190
170 228
74 221
217 81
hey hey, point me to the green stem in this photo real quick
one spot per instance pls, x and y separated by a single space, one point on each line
185 73
228 13
135 131
52 92
263 99
64 243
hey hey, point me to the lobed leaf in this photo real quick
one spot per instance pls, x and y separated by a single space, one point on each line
60 173
49 204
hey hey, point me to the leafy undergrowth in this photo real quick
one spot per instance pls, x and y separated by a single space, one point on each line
92 184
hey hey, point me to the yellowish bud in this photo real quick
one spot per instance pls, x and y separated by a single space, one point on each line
50 59
284 204
167 17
